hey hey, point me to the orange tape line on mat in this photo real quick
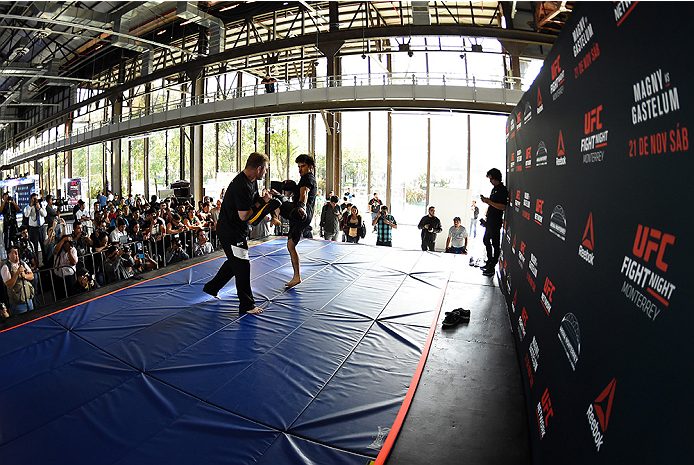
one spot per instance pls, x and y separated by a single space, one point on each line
405 407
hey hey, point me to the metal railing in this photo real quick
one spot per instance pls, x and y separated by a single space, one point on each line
51 286
386 81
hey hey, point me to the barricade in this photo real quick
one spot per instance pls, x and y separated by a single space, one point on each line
52 285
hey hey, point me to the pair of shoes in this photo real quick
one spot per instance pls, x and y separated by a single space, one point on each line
457 316
488 272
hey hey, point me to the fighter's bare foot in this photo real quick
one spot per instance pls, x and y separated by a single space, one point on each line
275 222
207 291
255 310
293 282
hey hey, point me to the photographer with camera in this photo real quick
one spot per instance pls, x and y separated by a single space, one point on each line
17 276
384 224
430 226
51 211
9 210
176 253
118 264
36 213
65 259
84 282
26 255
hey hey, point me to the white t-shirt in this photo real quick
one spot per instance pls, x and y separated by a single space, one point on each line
63 267
5 272
115 235
457 236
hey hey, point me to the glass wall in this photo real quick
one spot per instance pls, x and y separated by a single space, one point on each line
355 145
449 150
409 158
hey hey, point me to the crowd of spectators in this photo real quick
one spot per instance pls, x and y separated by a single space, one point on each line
115 240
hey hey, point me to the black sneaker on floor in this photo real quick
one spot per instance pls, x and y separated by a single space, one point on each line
457 316
488 272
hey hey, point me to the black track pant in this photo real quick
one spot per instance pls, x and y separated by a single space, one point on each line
491 241
238 267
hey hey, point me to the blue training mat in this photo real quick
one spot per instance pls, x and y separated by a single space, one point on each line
160 372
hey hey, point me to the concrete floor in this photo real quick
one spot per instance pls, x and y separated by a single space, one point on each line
468 407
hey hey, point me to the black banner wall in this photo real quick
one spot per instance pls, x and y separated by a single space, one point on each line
597 239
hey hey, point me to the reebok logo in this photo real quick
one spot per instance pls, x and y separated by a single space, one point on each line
601 409
585 248
561 153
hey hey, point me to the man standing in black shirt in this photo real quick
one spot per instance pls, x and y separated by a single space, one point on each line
430 226
300 212
238 206
497 201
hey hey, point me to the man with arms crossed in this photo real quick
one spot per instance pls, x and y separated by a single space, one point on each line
241 204
300 211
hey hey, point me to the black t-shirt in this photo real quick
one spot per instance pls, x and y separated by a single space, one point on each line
494 215
375 205
239 197
308 180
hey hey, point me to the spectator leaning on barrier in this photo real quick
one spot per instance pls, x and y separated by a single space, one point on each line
17 276
202 246
119 231
176 254
65 259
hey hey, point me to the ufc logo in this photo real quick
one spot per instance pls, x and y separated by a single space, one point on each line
549 288
528 153
592 120
556 69
524 316
547 406
650 240
538 206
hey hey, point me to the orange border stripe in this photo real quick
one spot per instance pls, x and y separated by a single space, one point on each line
405 407
117 290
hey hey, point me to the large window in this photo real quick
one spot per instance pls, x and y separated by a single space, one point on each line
449 149
409 179
488 151
355 145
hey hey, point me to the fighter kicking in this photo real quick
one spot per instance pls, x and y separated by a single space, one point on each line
300 211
